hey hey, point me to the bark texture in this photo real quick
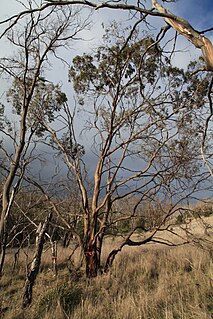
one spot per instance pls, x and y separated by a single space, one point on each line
197 39
91 259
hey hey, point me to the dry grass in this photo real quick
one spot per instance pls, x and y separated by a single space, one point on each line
145 283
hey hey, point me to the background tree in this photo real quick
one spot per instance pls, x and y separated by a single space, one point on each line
30 94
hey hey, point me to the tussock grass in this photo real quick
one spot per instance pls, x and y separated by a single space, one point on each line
151 283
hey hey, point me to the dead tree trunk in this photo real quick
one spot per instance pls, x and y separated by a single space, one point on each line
54 257
35 265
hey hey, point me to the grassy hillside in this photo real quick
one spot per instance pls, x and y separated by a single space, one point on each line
152 282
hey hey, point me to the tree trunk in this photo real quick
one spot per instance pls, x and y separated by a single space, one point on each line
7 197
91 257
3 231
92 249
3 241
35 265
5 225
99 249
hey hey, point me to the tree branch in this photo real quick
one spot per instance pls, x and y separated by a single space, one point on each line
184 28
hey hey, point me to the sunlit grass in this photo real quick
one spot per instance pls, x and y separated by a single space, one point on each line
145 283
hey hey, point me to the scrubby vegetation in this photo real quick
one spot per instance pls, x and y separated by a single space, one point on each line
146 283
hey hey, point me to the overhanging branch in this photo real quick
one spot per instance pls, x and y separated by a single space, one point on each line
196 38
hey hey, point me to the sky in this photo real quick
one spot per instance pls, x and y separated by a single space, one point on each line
198 12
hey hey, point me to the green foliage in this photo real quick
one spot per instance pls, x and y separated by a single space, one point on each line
72 149
5 123
181 218
135 66
115 64
1 115
124 226
88 72
47 100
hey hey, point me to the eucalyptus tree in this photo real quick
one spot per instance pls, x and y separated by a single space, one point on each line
143 119
35 42
139 111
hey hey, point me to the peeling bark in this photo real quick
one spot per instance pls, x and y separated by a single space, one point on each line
184 28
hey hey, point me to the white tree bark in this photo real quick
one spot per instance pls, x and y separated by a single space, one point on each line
184 28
